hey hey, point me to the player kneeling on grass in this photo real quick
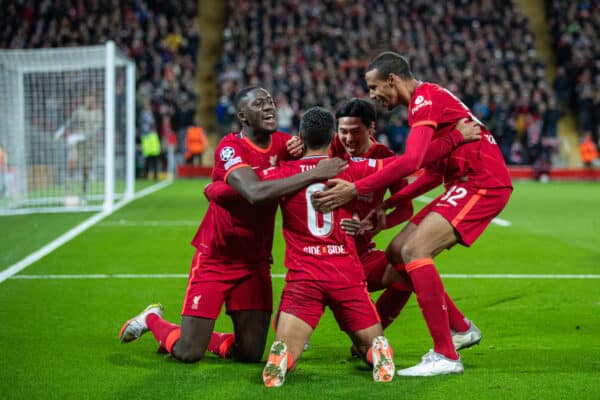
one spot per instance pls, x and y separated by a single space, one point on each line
323 266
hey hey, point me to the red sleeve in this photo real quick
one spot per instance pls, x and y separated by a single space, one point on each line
423 184
442 146
401 213
417 142
221 193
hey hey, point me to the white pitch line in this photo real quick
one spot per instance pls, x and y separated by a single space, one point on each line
76 231
125 222
183 276
495 221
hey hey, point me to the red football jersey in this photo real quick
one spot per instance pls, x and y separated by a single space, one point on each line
242 232
317 248
481 162
366 203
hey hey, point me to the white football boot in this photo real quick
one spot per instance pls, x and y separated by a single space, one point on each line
432 364
463 340
136 326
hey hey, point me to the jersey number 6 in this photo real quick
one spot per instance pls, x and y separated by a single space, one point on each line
312 215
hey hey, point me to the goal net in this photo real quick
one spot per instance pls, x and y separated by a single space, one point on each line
67 121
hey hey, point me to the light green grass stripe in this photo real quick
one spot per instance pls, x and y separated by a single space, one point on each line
76 231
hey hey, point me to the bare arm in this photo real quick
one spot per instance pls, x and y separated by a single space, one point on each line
245 181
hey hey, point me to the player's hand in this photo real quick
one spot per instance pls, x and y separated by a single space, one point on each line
339 192
328 168
375 221
351 226
470 130
295 147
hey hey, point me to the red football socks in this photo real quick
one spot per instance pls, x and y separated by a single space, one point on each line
390 304
221 344
458 322
431 297
165 333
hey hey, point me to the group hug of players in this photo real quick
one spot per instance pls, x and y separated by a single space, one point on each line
330 183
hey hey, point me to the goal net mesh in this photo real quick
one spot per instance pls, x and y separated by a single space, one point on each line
53 127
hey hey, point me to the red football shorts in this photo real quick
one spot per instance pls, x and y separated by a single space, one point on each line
350 302
374 263
240 286
469 210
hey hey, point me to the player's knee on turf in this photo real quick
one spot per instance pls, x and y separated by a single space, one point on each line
187 354
249 354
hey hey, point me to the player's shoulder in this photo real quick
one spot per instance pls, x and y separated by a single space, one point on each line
428 95
228 140
358 166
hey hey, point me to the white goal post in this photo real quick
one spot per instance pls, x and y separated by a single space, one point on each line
67 129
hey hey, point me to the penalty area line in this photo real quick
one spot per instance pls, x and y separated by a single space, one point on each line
74 232
280 276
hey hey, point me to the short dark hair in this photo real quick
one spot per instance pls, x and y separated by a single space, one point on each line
239 96
363 109
391 63
317 127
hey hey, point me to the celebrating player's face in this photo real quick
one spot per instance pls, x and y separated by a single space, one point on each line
380 90
354 135
259 111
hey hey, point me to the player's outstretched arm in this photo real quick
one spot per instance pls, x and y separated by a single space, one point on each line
465 132
245 181
423 184
417 143
341 192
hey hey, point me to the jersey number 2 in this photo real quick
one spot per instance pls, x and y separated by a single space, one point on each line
312 219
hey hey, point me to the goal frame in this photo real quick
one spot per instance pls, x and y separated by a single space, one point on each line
113 58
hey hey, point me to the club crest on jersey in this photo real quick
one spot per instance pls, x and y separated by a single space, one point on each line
273 160
227 153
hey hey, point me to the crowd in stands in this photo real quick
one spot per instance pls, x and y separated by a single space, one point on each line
314 52
575 29
161 36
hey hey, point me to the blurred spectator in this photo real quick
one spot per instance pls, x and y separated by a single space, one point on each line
195 143
575 29
6 176
161 36
285 115
588 151
314 53
169 142
151 152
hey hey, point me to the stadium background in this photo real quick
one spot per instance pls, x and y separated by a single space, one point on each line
530 69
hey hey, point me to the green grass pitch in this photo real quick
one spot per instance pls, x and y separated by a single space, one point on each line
58 338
